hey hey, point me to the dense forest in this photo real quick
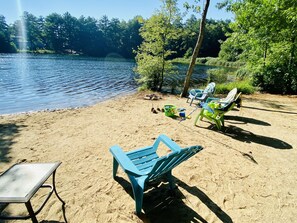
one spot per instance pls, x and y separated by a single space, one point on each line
89 36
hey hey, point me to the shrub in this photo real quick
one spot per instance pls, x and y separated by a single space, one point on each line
243 86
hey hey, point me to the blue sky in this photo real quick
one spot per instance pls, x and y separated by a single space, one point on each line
121 9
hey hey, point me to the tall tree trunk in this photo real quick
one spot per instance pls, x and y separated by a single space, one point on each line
196 51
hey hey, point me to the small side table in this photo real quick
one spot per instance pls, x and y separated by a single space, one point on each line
20 182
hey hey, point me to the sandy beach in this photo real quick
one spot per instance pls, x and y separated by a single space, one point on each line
247 172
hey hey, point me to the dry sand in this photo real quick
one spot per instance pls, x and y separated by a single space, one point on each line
246 173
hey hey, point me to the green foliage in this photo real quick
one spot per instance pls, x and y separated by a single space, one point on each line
54 32
217 75
211 61
152 58
244 86
242 73
6 46
35 27
201 60
181 60
150 68
265 37
277 78
214 35
100 37
230 50
223 63
188 53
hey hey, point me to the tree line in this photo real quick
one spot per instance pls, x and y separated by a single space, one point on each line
101 37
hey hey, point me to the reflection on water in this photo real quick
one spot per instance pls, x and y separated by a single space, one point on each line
37 82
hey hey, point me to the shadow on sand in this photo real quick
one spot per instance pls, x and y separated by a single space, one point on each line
160 204
275 106
244 120
249 137
49 221
8 132
46 221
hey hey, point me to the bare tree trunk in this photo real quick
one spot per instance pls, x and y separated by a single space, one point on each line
196 51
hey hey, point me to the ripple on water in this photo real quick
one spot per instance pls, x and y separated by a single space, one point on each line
39 82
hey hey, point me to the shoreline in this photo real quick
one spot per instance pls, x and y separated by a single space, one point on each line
67 108
112 98
220 183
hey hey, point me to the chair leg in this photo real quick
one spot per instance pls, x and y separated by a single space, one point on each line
115 167
138 189
218 123
222 121
31 212
196 120
199 116
170 180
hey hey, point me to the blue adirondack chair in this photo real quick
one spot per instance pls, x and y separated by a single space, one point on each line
144 165
202 95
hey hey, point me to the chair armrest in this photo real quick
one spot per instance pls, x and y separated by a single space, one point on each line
124 161
198 94
195 93
168 142
209 99
202 97
206 107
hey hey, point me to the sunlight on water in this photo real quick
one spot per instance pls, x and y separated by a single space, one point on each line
38 82
31 82
22 28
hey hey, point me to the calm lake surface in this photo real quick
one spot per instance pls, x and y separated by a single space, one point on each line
38 82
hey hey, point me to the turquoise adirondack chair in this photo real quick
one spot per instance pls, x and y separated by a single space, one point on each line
202 95
145 165
214 111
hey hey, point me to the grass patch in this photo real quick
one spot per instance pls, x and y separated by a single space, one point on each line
243 86
211 61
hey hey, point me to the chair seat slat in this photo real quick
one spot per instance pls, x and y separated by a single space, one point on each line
141 152
146 165
145 159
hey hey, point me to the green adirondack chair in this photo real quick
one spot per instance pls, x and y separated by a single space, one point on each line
145 165
214 111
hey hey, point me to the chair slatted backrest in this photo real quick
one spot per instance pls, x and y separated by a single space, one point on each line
167 163
230 105
210 88
144 159
230 97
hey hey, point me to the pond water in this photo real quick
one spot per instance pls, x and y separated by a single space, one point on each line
37 82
